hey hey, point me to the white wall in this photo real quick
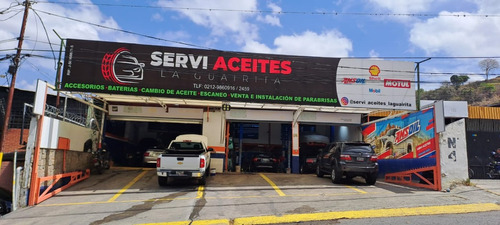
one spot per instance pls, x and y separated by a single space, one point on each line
453 152
53 129
214 128
269 133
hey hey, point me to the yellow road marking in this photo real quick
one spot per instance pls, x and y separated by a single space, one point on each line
200 191
276 188
371 213
358 190
197 222
127 186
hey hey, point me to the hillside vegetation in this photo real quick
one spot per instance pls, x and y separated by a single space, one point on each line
480 93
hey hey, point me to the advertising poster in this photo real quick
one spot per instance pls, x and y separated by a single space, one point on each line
187 73
376 84
410 136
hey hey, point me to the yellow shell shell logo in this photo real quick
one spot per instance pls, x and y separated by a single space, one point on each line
180 163
374 70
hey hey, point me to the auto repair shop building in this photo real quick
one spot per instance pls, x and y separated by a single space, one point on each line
251 101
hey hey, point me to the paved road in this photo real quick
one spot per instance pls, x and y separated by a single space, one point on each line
132 196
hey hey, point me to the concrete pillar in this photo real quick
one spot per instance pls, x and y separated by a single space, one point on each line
295 148
453 154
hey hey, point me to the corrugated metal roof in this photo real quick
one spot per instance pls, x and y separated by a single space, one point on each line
475 112
479 112
386 113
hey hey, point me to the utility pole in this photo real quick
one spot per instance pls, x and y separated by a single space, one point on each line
16 61
418 82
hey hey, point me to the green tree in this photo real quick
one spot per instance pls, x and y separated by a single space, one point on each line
457 81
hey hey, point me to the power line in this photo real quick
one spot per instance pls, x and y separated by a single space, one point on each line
124 31
15 14
12 5
193 45
208 48
35 67
47 35
458 15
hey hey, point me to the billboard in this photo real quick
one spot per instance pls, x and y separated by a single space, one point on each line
410 136
376 84
146 70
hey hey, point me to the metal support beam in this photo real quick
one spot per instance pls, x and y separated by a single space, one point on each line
418 81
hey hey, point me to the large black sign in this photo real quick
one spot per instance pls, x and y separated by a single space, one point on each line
145 70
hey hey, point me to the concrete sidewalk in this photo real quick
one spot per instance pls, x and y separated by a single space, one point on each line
134 197
489 185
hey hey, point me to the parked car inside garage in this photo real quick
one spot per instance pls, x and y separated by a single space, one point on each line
310 145
264 162
348 159
151 154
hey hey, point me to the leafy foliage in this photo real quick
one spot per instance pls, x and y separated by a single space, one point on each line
481 93
458 80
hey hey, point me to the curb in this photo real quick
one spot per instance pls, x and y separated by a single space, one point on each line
371 213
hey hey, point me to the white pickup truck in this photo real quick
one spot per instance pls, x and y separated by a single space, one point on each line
188 156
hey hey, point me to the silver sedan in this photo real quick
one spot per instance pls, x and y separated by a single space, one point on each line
151 155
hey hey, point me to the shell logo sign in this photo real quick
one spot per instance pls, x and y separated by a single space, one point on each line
374 70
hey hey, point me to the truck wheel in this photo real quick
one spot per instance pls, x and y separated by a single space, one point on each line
163 181
371 179
319 173
203 180
336 176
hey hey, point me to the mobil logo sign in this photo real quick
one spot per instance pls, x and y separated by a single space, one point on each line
391 83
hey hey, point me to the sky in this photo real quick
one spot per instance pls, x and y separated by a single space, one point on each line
454 34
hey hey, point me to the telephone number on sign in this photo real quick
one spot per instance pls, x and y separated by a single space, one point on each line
225 87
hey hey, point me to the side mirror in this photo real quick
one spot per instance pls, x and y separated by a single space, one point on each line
211 150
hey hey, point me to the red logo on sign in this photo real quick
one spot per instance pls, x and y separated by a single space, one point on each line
353 80
390 83
122 67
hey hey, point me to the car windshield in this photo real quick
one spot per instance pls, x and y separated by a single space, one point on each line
186 146
263 155
359 148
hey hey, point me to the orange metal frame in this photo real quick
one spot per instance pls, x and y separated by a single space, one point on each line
406 178
75 178
34 195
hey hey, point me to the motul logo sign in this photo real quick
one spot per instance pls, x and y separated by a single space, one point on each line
390 83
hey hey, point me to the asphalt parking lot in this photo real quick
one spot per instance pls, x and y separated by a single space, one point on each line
132 196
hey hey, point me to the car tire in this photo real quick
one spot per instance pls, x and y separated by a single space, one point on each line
319 173
336 176
203 180
100 168
163 181
371 179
